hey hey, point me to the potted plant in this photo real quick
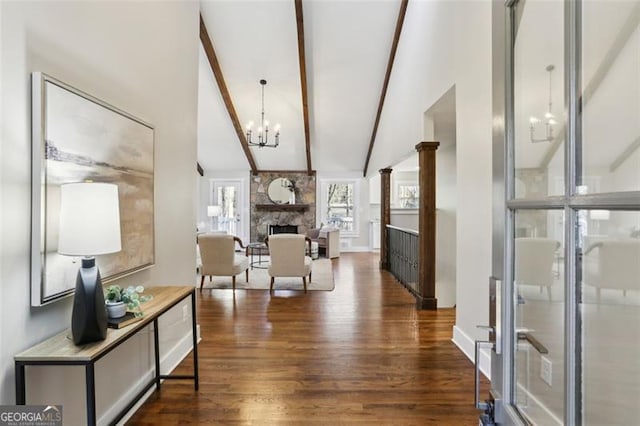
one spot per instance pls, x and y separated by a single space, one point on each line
120 300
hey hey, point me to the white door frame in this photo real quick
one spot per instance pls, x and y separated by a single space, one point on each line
243 203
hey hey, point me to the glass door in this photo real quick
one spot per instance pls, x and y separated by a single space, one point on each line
608 220
570 256
228 194
537 224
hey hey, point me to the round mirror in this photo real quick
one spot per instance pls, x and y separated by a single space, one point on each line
281 191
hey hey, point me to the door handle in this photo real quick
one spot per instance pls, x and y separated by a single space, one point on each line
526 335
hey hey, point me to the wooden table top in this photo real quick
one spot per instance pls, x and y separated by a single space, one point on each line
61 347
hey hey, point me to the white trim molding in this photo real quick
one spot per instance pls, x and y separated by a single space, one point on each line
467 345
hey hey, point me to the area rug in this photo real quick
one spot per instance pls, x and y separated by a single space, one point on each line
321 279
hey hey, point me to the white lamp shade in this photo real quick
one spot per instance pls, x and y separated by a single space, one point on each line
213 211
89 219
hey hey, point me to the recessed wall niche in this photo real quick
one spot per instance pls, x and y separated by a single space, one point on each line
303 214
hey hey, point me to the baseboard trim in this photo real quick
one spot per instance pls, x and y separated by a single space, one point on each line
168 363
355 249
467 345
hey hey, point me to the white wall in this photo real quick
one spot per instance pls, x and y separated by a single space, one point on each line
446 225
405 218
143 58
445 44
3 355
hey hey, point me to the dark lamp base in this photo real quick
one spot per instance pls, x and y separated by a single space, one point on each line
89 315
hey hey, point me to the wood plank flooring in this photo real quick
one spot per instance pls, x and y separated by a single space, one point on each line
360 354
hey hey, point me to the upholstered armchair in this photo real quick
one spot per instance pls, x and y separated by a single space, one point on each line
219 258
613 264
287 252
328 240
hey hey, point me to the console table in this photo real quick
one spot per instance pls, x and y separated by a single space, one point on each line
60 350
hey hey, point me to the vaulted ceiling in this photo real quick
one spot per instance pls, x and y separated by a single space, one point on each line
347 46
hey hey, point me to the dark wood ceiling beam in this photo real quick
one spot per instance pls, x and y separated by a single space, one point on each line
303 81
387 77
217 73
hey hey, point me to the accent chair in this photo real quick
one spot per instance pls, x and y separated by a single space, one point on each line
288 258
219 257
613 264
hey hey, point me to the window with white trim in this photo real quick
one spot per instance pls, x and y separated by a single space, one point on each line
339 205
408 196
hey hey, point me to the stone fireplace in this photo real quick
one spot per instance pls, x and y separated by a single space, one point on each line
265 212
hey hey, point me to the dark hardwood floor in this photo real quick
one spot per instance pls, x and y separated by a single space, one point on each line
359 354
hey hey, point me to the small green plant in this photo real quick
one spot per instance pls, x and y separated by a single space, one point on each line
131 296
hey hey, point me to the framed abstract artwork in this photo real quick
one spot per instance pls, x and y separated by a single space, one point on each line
78 138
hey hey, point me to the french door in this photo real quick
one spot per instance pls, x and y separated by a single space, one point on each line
229 195
567 255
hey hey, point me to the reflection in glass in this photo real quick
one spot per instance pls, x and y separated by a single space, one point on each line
539 311
610 312
539 99
610 96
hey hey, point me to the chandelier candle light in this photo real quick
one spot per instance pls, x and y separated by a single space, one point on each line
263 130
549 118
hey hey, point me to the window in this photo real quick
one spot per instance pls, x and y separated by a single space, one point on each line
339 205
405 193
408 196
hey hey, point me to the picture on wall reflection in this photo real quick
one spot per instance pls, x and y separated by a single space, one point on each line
78 138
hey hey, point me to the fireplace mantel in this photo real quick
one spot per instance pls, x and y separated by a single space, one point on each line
283 207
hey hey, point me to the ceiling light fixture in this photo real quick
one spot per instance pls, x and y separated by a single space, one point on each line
549 118
263 129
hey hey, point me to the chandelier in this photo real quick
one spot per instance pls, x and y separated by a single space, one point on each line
263 129
549 119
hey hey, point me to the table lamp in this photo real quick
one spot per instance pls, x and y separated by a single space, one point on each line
214 211
89 226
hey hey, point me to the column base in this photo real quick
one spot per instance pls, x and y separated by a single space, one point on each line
427 303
